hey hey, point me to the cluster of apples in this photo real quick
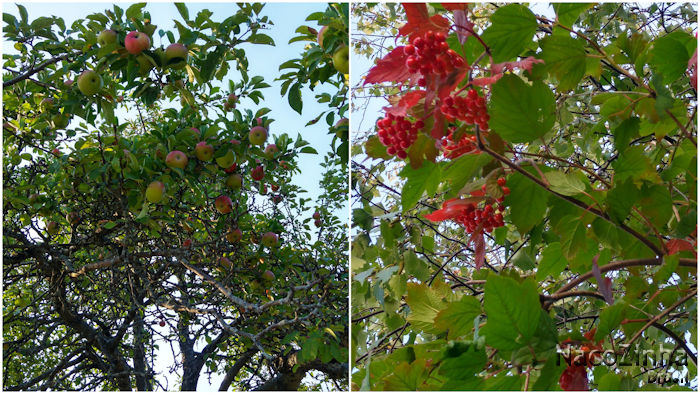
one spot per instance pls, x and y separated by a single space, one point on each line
135 43
341 56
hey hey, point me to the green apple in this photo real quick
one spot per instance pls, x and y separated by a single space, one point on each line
341 127
107 37
176 56
257 135
204 151
226 160
234 181
176 159
223 204
89 82
136 42
341 60
60 121
154 191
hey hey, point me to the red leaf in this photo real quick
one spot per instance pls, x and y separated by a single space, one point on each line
455 6
486 80
419 22
391 68
604 284
463 27
525 64
438 130
678 245
574 378
406 102
479 247
451 209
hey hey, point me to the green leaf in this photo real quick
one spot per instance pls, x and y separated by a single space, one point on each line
134 10
458 318
375 149
512 28
423 148
521 112
182 9
528 202
568 13
523 260
295 97
656 204
465 366
308 149
610 382
610 319
549 375
621 198
424 179
406 377
512 311
264 39
415 266
566 184
566 58
632 163
462 170
573 236
669 57
425 303
628 129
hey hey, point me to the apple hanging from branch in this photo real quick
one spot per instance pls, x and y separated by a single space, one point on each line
176 159
257 173
204 151
136 42
154 192
270 239
89 82
234 236
223 204
257 135
107 37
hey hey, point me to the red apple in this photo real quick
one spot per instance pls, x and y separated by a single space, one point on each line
317 222
223 204
234 236
187 243
52 228
274 187
231 169
235 142
73 218
226 263
176 56
176 159
269 239
268 276
316 215
319 37
204 151
271 150
257 135
135 42
257 173
162 323
56 152
277 199
231 100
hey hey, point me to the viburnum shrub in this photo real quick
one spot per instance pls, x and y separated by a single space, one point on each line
525 201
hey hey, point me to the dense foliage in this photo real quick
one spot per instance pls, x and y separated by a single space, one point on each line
525 204
116 251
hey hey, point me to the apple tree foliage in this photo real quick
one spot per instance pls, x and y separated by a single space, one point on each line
98 282
540 230
316 67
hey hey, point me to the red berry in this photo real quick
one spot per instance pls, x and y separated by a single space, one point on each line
501 182
506 190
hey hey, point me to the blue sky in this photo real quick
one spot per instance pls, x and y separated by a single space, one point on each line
264 60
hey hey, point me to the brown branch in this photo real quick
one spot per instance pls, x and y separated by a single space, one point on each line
616 265
236 368
40 67
572 200
662 314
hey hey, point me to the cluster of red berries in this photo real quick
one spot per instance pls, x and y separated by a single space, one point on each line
398 134
453 149
487 218
470 109
430 54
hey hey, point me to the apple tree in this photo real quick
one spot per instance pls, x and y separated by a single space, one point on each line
324 62
525 198
149 215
